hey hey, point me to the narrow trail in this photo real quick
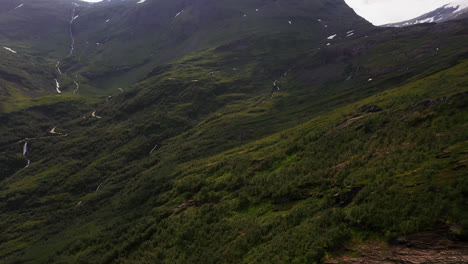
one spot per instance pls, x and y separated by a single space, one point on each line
52 131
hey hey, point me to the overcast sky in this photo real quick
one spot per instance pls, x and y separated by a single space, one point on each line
387 11
381 12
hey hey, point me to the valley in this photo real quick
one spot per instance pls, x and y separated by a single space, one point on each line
220 132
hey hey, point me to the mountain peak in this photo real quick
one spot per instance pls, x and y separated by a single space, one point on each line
449 11
460 5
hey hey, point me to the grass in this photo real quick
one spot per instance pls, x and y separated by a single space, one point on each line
267 173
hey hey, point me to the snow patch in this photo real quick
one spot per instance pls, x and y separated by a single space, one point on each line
107 21
57 86
427 20
178 14
459 5
10 50
276 85
332 36
141 1
19 6
349 35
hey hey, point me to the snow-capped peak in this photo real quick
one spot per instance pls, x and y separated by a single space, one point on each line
444 13
459 5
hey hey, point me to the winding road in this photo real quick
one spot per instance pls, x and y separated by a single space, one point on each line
93 114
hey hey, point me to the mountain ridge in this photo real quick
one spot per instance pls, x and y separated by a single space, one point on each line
282 142
449 11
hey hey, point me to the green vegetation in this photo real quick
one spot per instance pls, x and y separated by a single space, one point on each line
205 160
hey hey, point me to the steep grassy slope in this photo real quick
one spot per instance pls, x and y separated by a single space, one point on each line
209 160
115 44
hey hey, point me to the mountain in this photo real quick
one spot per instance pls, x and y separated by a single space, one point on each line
242 132
115 44
453 10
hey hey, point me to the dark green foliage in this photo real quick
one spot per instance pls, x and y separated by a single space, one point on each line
240 172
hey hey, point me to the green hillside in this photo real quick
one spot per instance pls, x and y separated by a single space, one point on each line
230 139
